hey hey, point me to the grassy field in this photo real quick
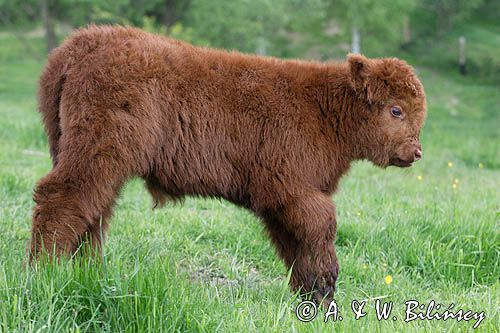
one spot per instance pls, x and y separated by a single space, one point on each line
207 265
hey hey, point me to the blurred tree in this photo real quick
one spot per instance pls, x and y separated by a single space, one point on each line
18 12
234 24
48 25
276 26
489 9
290 28
15 13
375 21
98 11
444 13
169 12
127 12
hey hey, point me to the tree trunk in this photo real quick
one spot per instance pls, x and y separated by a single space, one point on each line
406 30
261 46
169 13
48 25
461 54
355 47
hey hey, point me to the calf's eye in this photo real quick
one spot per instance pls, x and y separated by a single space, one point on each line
396 111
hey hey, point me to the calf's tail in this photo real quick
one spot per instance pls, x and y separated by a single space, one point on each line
49 97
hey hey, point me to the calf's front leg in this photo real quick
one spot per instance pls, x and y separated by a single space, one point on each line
311 220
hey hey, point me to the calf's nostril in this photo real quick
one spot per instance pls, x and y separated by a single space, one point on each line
418 154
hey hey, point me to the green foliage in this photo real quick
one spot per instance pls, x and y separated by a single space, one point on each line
288 28
18 12
482 60
250 25
243 23
442 14
81 13
379 21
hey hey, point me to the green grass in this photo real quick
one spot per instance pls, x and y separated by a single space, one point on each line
207 265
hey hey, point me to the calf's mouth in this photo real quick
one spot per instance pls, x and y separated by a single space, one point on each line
399 162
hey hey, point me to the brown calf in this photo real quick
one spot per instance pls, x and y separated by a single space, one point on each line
271 135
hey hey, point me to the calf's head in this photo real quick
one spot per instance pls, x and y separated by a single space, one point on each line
391 109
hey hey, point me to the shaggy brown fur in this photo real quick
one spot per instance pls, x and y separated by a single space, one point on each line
270 135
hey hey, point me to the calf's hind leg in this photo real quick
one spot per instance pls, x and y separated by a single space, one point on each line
94 237
73 201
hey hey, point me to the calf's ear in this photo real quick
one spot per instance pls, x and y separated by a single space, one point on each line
364 79
359 68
